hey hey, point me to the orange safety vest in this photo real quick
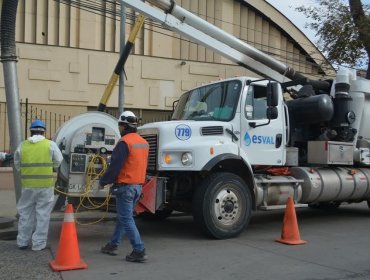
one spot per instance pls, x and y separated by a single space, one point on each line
133 170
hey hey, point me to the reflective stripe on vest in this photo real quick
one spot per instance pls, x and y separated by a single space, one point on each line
134 169
36 164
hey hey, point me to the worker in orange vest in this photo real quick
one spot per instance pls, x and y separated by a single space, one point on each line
126 173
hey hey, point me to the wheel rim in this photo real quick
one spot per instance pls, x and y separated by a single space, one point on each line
227 206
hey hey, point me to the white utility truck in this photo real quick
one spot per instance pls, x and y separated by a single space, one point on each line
240 144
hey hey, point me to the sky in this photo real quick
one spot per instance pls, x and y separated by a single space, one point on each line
287 8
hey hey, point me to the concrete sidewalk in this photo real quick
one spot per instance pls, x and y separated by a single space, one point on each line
26 264
15 263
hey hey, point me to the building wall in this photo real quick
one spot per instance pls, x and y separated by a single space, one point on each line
69 81
74 77
49 22
66 55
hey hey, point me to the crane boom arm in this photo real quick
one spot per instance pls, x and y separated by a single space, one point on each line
210 36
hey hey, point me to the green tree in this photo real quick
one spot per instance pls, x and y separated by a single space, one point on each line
343 28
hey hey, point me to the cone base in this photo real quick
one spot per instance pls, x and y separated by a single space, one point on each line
291 242
57 267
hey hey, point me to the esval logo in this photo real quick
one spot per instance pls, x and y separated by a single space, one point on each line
247 139
258 139
183 132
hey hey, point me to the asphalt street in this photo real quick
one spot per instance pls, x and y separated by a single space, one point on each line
337 248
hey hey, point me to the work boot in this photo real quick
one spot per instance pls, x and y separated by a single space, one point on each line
109 249
41 247
137 256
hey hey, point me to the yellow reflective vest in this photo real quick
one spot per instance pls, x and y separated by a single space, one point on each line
36 164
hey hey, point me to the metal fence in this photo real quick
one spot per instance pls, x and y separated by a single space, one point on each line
29 113
54 121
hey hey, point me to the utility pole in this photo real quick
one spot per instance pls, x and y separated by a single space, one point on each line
9 60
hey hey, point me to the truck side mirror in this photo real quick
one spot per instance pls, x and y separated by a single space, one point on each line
272 94
272 113
174 104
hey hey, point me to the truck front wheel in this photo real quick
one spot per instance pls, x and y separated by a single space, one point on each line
222 205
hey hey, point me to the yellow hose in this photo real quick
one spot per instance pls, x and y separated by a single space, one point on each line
91 176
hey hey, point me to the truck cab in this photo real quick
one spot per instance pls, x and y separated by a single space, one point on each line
249 113
218 131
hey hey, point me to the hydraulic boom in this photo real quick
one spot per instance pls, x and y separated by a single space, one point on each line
206 34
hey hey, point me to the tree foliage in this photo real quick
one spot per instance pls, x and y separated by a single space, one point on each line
343 29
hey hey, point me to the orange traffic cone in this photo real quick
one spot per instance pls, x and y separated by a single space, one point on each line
290 231
68 254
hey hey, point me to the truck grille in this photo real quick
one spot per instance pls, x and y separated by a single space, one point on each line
212 130
152 139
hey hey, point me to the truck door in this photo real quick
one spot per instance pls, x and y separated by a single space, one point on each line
262 139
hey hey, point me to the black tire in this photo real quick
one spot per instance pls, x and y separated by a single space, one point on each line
222 205
159 215
368 204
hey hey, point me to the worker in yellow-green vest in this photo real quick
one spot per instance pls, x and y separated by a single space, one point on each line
36 158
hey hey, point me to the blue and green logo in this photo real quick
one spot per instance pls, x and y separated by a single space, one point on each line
258 139
247 139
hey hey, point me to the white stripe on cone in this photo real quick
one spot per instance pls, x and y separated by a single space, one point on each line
69 217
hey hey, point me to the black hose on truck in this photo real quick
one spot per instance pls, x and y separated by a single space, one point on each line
8 19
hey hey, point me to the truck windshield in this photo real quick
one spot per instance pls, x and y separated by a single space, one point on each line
211 102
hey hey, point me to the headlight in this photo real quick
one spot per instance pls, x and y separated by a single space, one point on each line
186 159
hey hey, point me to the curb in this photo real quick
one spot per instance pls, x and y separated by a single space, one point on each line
6 222
7 229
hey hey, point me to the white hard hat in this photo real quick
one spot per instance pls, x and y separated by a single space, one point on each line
128 117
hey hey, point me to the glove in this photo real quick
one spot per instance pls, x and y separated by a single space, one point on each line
2 156
8 157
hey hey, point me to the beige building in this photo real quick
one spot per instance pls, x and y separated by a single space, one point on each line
67 54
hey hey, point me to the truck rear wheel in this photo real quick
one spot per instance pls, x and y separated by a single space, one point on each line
222 205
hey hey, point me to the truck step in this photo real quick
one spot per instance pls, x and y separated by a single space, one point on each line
276 179
277 207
